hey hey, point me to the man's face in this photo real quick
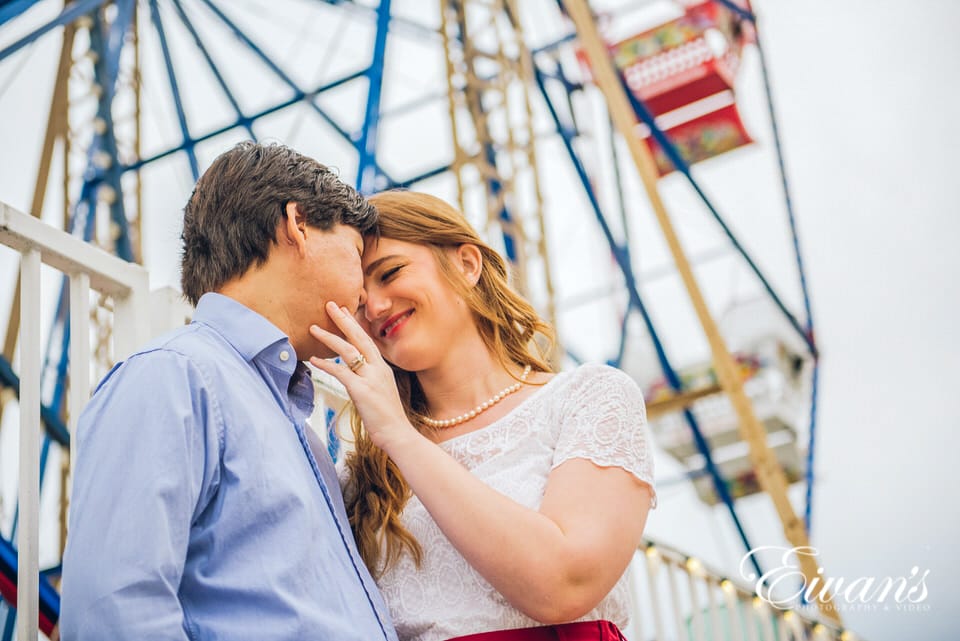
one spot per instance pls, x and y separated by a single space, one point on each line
331 272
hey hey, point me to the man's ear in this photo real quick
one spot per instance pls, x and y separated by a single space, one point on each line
470 262
293 228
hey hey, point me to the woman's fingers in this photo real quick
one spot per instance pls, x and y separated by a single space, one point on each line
342 347
351 329
338 370
367 377
355 348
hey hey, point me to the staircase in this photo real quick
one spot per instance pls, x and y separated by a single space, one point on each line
88 270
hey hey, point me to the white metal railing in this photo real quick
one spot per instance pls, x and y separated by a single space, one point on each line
88 268
676 597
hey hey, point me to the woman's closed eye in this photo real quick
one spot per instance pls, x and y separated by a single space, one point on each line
388 274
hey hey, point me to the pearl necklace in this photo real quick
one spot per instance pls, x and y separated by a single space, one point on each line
482 407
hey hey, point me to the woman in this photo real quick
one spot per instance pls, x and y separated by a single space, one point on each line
530 490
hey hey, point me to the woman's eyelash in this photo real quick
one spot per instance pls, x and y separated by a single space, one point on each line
390 273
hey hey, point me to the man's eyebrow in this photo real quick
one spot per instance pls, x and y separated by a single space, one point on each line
373 266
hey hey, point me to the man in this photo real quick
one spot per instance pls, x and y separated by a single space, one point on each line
202 507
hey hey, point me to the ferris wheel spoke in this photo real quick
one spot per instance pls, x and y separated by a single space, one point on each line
69 14
242 119
174 88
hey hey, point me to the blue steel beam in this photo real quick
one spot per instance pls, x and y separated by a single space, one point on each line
69 14
788 201
44 453
49 599
684 168
808 331
50 419
637 303
241 118
367 144
798 256
401 109
116 40
623 331
245 121
808 495
108 47
102 151
418 29
621 199
10 623
102 167
61 330
285 78
781 163
740 11
298 97
413 104
423 176
174 88
556 44
577 360
298 92
102 170
14 9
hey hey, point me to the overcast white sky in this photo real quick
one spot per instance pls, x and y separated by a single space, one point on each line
867 99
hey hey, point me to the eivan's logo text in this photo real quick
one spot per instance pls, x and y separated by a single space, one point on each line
866 592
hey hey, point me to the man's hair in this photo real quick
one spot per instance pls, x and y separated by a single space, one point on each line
231 219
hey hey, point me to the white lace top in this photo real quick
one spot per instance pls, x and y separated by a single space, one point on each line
594 412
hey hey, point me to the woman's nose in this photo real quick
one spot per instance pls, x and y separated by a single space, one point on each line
375 305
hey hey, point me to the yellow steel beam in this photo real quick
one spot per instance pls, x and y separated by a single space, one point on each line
769 472
56 128
680 401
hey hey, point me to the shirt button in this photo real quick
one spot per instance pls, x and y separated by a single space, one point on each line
284 356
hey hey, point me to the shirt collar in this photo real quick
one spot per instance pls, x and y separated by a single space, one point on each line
249 332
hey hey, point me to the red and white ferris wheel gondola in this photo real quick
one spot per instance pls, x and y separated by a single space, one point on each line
684 70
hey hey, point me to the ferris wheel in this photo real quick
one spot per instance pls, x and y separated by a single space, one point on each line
510 110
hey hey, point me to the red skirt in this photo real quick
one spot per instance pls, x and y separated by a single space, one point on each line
580 631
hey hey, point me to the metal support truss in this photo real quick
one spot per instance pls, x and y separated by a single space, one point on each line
489 72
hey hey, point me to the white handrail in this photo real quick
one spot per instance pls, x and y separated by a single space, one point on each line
28 535
748 617
88 267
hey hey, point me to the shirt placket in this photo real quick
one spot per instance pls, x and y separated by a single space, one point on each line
288 402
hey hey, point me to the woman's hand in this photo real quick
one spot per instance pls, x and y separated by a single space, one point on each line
366 376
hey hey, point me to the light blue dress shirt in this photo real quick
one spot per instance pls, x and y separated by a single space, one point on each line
201 508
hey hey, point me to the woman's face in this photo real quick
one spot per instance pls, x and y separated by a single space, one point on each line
412 312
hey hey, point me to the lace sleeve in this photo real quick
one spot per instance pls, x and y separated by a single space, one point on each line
605 422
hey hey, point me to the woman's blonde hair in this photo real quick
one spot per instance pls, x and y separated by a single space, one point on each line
509 327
